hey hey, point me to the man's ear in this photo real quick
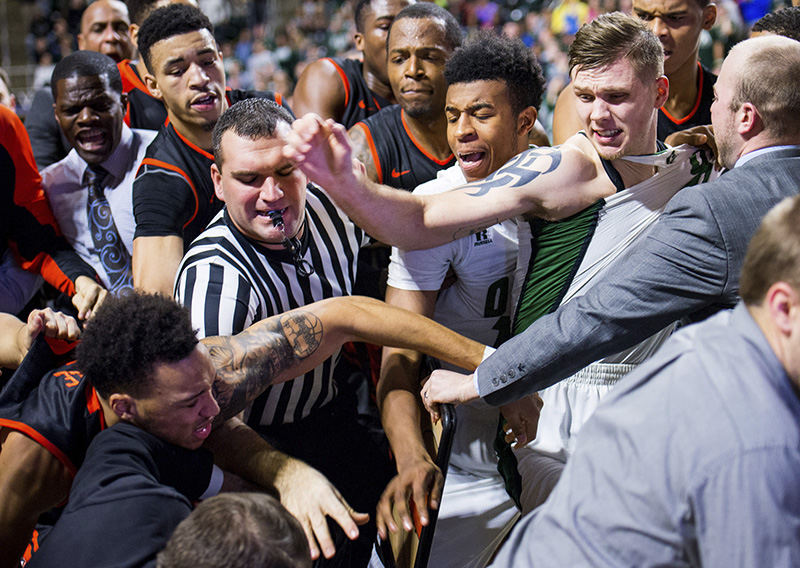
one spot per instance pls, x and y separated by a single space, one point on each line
748 120
216 177
526 120
709 16
781 301
358 40
152 86
133 32
124 406
662 90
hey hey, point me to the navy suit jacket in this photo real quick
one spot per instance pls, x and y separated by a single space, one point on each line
688 265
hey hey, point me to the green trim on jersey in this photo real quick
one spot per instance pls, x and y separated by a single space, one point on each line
558 248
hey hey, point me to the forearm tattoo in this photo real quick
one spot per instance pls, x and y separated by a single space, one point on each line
249 362
521 170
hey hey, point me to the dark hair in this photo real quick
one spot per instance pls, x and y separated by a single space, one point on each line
785 22
487 56
428 10
86 64
237 530
128 336
358 13
773 254
139 10
168 21
251 118
611 37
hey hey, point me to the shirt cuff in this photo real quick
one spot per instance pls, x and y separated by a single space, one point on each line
487 352
217 477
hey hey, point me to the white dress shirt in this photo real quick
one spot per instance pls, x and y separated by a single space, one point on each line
63 183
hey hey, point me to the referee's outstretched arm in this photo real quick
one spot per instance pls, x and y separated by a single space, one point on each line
285 346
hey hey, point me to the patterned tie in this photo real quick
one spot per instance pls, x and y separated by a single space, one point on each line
112 253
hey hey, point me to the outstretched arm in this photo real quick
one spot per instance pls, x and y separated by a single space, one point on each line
285 346
552 183
398 398
305 492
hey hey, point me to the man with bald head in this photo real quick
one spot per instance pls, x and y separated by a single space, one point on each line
105 29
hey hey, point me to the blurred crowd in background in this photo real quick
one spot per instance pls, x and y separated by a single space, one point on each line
267 43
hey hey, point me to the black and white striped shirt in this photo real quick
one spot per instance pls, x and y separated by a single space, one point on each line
229 282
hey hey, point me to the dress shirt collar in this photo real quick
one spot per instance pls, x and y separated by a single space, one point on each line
761 151
742 320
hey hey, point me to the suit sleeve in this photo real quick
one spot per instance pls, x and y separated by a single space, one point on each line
680 269
49 145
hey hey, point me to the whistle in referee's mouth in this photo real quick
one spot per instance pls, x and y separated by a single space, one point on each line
276 216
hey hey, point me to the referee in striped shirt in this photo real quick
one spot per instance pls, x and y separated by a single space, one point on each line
280 243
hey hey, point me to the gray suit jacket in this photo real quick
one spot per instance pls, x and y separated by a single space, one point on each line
688 265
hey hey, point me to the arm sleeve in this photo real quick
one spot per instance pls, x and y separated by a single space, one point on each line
420 269
47 141
220 300
679 269
163 202
747 512
31 228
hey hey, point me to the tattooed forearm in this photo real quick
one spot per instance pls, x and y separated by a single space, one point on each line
521 170
251 361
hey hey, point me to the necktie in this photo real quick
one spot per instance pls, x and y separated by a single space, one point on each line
107 243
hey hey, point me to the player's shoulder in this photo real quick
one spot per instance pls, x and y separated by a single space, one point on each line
325 68
445 180
386 116
144 137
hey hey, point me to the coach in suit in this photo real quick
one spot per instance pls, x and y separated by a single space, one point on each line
689 264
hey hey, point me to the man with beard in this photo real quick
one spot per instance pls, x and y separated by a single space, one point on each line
143 365
348 90
405 145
